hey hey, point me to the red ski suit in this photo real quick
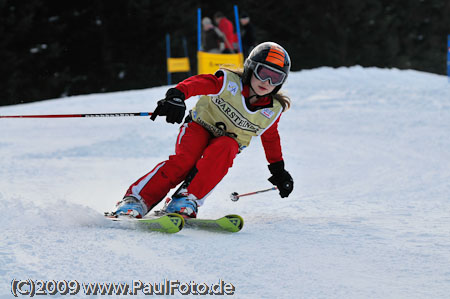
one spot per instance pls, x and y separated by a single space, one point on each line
195 146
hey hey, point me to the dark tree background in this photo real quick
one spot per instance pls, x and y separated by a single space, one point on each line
51 48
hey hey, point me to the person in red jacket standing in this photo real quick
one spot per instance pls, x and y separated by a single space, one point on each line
235 107
227 29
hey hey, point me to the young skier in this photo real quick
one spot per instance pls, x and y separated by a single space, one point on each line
234 107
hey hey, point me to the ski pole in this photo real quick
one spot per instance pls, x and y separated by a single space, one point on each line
120 114
235 196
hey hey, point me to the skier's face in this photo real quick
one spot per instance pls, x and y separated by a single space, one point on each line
261 88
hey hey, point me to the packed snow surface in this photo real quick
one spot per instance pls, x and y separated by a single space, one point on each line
369 217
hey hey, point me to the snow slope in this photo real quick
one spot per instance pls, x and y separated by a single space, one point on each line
369 150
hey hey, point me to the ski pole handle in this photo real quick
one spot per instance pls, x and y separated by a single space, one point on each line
120 114
235 196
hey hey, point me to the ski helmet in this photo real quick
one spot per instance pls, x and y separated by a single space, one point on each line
271 55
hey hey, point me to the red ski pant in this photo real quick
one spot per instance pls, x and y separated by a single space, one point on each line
212 156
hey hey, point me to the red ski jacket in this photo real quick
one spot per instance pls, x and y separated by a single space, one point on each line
211 84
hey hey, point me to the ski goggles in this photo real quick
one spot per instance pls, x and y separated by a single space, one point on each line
264 72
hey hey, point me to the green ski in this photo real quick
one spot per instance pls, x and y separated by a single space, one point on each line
169 223
229 223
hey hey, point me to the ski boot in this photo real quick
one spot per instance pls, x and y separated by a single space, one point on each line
132 207
184 204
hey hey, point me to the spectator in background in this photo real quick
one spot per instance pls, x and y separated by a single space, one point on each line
227 29
247 34
212 37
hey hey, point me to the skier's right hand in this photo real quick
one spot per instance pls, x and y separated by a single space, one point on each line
172 106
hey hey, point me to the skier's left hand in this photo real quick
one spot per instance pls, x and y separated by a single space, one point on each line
281 178
172 106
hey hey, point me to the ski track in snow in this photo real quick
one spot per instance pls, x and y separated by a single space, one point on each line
369 150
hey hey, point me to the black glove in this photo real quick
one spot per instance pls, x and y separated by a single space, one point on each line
172 106
281 178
